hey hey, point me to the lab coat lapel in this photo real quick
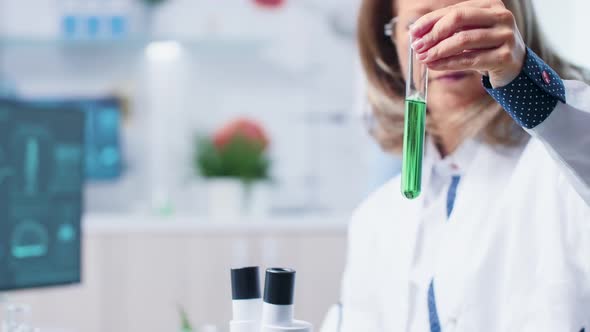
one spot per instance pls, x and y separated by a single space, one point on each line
481 184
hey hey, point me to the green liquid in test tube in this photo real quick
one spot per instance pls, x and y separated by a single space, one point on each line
414 126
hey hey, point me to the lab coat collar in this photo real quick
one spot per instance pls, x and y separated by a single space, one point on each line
455 163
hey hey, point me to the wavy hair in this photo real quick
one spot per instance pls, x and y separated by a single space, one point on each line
386 85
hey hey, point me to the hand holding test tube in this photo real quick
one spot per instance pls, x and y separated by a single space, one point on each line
414 126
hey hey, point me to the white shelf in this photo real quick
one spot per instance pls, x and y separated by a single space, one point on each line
125 224
207 46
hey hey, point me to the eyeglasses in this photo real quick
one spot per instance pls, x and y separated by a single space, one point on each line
389 29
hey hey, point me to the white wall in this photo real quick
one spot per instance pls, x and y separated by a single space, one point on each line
566 25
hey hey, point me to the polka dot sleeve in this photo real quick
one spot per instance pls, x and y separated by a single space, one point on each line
533 95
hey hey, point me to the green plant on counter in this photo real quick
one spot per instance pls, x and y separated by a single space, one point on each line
238 150
153 2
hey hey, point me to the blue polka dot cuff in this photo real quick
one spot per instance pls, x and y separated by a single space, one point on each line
533 95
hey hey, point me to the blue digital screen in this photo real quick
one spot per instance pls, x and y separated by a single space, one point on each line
104 160
42 157
103 147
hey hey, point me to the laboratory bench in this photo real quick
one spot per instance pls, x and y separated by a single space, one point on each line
138 270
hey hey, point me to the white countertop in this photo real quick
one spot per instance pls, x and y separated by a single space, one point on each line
124 224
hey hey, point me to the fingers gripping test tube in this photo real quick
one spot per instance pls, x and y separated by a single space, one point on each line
414 126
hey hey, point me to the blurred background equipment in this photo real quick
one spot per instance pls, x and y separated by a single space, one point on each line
42 157
178 68
102 124
41 181
16 318
190 66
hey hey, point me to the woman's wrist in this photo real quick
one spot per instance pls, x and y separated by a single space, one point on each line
532 95
511 68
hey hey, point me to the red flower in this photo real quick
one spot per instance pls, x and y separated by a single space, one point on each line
245 128
270 3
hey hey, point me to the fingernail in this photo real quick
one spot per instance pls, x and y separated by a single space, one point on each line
422 56
417 45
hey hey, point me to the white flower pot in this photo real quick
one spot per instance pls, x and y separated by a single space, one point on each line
225 199
258 199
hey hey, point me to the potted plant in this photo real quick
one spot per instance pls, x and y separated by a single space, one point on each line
153 2
150 7
235 163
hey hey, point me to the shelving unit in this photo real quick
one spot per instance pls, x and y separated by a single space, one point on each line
137 224
208 47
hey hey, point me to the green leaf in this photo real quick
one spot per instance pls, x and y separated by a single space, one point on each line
239 158
153 2
185 322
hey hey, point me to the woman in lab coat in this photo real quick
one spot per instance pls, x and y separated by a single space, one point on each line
499 240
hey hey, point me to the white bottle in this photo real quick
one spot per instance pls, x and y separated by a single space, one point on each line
246 301
277 309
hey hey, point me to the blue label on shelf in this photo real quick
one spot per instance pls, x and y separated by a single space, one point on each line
118 26
69 26
93 26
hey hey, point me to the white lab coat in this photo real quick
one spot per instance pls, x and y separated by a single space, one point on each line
515 255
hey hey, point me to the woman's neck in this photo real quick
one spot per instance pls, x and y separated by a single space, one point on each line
447 137
446 140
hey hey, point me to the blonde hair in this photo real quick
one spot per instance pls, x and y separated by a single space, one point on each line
386 85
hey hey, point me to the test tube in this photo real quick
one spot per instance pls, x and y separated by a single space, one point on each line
414 126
